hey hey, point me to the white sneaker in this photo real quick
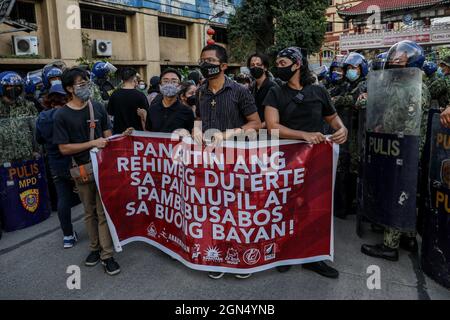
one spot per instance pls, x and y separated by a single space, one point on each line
69 242
216 275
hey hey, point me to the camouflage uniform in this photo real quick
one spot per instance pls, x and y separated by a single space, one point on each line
349 103
97 95
392 236
17 139
439 91
345 96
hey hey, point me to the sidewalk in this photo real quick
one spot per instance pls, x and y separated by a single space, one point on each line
33 266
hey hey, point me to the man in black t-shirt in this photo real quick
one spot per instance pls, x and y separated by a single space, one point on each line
259 69
296 110
167 113
71 130
125 103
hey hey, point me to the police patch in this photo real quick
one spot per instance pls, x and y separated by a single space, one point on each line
445 173
30 200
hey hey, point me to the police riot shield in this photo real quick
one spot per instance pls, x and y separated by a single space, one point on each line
435 258
24 198
393 119
424 190
361 138
342 192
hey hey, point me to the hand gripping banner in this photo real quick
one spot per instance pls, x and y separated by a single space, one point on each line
246 207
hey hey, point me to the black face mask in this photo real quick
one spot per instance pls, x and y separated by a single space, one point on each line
210 70
191 101
286 73
14 93
256 72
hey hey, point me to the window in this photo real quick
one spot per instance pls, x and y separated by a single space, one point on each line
171 30
329 26
331 2
221 35
91 19
327 54
23 11
346 24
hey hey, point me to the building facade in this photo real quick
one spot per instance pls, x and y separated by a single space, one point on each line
416 20
146 34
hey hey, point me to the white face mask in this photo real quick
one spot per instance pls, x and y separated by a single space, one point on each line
142 86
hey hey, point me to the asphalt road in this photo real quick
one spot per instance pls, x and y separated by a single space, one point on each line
33 265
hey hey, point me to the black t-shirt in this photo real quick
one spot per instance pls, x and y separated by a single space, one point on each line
72 126
162 119
303 116
123 106
261 94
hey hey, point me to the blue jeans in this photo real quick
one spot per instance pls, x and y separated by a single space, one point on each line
64 191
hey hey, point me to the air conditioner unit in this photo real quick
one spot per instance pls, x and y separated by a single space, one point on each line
25 45
103 48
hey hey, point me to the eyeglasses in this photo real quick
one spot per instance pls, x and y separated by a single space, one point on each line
208 60
173 81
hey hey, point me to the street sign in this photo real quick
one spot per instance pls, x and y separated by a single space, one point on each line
5 9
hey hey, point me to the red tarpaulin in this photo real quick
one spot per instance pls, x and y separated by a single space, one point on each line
240 209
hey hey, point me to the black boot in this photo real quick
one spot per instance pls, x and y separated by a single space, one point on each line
409 244
380 251
376 228
323 269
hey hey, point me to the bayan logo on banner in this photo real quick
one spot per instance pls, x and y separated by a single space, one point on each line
240 208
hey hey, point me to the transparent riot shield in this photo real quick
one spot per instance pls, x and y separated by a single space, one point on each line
435 257
393 119
17 138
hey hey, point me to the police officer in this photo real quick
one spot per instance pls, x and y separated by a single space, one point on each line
17 117
323 77
103 88
51 76
33 89
379 61
436 85
405 54
346 94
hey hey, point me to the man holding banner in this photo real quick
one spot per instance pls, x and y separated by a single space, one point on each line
78 127
297 110
220 113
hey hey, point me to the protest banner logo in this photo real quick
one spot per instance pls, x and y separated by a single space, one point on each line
30 200
252 256
232 256
196 251
151 230
213 254
269 252
445 173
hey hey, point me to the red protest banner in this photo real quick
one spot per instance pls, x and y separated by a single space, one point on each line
241 209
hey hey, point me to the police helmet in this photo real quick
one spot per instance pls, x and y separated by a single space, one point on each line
357 60
407 54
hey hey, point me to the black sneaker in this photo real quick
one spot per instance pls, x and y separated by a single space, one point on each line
93 259
323 269
111 266
284 269
380 251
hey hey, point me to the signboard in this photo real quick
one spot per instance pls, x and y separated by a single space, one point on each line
431 36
